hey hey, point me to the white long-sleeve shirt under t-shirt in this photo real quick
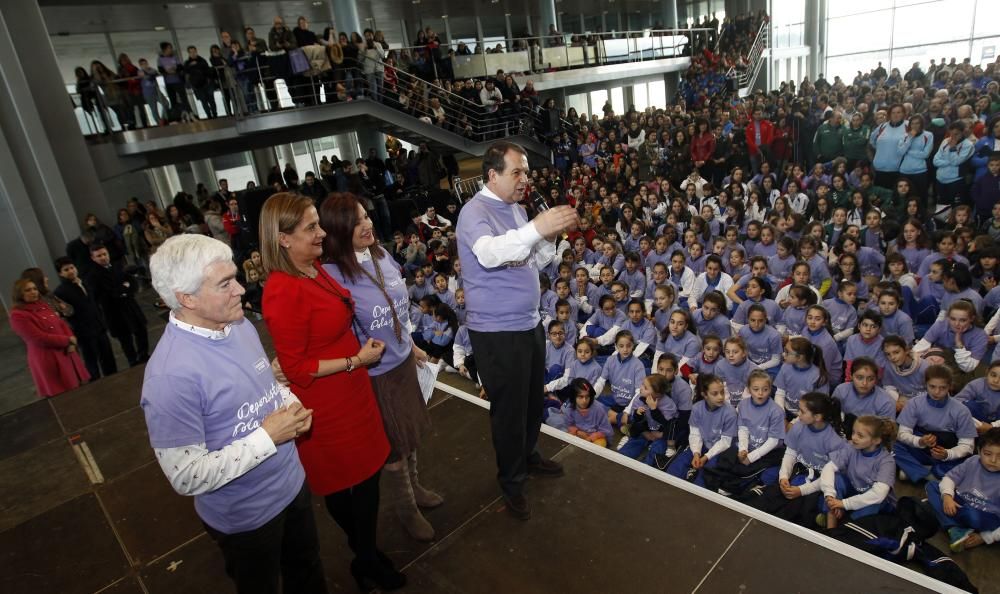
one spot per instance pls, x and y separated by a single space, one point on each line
513 246
216 468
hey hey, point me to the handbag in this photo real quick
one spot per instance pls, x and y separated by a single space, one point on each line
298 60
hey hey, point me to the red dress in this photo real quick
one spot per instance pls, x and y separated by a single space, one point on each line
309 322
47 336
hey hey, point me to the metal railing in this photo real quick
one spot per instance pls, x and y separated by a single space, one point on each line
467 188
747 77
547 53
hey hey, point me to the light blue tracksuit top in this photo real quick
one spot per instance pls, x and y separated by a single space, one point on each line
885 138
948 159
915 152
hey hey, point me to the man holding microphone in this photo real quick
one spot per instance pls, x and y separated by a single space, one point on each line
502 253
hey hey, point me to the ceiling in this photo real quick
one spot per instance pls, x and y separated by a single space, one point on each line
97 16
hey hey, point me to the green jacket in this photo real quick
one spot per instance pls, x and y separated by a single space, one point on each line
840 198
828 142
856 142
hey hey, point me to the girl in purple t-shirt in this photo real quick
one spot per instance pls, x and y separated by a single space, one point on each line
857 481
804 371
585 417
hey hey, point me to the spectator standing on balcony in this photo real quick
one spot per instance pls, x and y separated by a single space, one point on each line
279 39
199 77
222 75
114 95
490 98
373 66
555 38
885 139
133 89
759 133
172 70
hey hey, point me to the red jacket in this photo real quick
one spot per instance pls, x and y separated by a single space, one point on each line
702 146
46 335
766 136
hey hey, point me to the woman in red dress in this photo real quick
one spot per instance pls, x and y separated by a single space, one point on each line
55 365
309 317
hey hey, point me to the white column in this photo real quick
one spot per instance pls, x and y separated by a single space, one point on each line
204 172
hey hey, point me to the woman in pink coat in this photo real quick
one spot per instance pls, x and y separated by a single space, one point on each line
52 358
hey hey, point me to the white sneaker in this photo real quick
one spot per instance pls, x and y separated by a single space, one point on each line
670 453
622 442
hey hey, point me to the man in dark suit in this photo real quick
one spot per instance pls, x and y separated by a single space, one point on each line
86 321
114 290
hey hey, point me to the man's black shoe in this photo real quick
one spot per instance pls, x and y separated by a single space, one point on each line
545 467
518 507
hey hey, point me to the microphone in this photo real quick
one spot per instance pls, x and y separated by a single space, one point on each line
538 201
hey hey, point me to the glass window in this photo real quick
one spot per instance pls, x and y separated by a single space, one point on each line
639 96
80 50
303 158
657 93
236 168
618 100
790 11
952 20
984 51
850 7
137 44
847 67
987 19
597 101
578 102
858 33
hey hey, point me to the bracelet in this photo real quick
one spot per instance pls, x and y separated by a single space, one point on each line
350 365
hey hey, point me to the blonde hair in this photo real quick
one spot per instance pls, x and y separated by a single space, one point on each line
281 213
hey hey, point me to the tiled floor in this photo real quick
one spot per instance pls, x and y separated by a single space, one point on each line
603 527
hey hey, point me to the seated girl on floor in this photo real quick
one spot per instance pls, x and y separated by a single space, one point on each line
857 481
587 418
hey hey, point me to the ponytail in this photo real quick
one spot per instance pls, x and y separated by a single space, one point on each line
883 428
701 386
820 403
817 358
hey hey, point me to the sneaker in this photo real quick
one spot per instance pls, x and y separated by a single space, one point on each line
821 521
724 493
691 474
670 453
902 476
957 537
624 429
622 442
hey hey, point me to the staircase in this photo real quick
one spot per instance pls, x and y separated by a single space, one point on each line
747 78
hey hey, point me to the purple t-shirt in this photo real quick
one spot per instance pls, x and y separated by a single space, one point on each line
812 447
763 422
877 402
504 298
373 310
863 469
987 400
797 381
713 424
198 390
949 415
735 377
977 487
941 335
624 377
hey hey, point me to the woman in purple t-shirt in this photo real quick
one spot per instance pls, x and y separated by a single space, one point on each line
353 256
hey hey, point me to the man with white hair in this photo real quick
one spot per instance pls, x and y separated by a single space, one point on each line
223 428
